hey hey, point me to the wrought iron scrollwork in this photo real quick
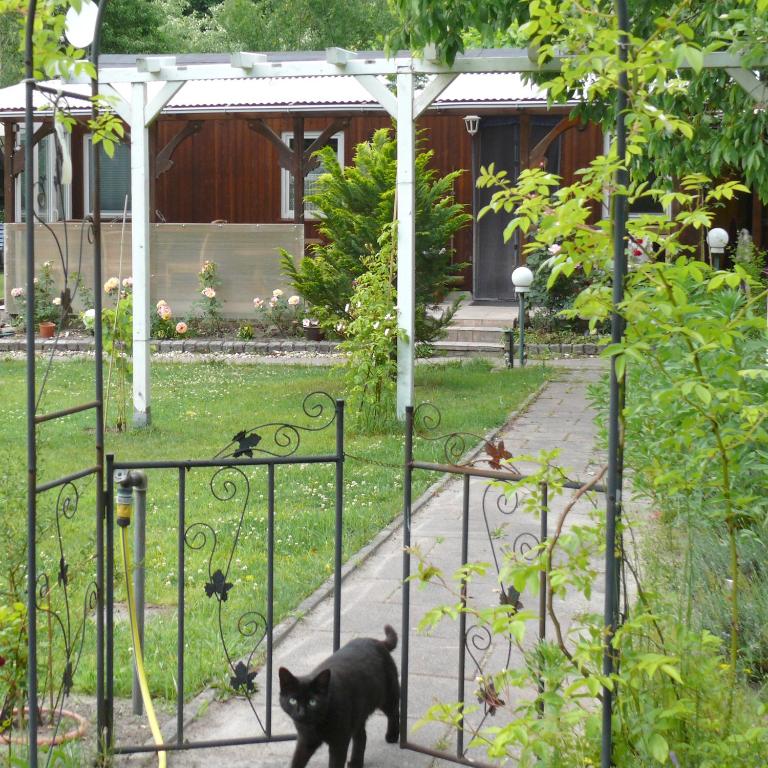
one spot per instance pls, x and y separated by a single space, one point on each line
279 438
451 447
54 606
230 484
478 639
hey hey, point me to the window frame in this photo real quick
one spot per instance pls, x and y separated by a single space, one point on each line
87 138
48 146
286 211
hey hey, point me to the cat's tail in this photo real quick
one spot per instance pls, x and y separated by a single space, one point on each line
391 642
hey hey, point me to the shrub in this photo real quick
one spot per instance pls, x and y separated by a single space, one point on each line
370 342
208 305
48 306
355 205
550 300
279 314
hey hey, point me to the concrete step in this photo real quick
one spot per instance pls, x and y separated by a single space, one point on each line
489 334
469 348
472 321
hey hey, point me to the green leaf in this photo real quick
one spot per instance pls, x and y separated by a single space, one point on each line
659 748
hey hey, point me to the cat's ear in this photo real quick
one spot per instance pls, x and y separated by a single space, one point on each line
320 683
288 681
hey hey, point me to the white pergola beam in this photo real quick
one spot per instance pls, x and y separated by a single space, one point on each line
747 79
380 92
338 56
406 241
159 100
501 60
432 90
117 102
245 60
154 64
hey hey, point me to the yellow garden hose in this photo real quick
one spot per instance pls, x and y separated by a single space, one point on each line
137 652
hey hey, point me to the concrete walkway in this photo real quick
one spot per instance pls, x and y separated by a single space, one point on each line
559 417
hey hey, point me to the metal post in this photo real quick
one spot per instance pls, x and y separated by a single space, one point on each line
509 336
613 503
521 329
270 589
139 553
543 535
339 524
109 606
405 627
101 504
29 179
463 615
181 602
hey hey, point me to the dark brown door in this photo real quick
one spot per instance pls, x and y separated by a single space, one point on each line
494 261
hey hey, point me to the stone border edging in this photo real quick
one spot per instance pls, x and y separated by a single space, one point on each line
235 346
325 590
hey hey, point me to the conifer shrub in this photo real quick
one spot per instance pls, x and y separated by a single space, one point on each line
355 204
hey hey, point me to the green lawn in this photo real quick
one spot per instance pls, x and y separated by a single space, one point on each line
196 410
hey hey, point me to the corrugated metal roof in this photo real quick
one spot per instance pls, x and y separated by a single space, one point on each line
328 93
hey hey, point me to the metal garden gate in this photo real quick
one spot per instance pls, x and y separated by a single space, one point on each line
210 535
474 643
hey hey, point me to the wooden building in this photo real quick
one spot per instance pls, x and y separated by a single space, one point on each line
222 152
222 156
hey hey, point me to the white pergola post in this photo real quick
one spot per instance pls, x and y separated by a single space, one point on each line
406 241
140 254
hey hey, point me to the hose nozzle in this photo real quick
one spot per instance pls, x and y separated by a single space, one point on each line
124 507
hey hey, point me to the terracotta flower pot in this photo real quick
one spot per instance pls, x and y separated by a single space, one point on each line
78 726
47 330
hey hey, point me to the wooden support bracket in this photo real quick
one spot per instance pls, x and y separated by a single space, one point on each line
284 153
17 165
164 162
310 162
540 150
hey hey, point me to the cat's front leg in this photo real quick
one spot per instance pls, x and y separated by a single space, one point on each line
304 750
358 748
337 753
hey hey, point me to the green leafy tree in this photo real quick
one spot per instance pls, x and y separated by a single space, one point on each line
280 25
695 340
355 205
728 135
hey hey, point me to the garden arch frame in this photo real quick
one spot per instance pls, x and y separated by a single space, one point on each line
404 105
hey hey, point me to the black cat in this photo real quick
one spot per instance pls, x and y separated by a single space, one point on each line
332 703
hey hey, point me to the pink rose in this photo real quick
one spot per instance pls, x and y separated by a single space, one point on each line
181 328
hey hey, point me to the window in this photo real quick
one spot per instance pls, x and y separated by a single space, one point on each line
52 202
310 180
115 178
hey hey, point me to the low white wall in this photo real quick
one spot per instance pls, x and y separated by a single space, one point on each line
247 257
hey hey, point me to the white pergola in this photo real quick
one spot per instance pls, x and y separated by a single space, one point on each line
405 104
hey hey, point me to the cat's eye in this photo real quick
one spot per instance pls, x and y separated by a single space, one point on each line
313 702
292 701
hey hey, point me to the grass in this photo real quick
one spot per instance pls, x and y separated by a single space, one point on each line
196 408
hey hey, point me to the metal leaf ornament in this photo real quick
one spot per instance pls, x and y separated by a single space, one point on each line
243 679
67 678
497 453
245 444
510 597
63 577
488 696
219 586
